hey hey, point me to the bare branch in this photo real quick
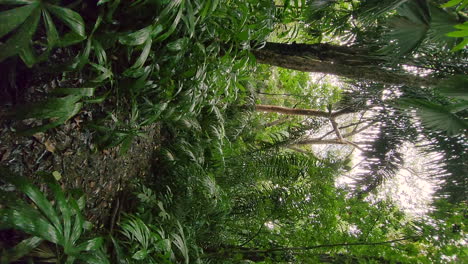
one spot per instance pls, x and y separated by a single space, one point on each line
336 129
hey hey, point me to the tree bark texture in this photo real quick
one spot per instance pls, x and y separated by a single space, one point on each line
349 62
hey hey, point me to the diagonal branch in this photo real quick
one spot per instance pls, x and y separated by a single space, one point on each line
389 242
336 129
299 111
343 127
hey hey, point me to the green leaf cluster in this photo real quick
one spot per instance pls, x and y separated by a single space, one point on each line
25 19
60 222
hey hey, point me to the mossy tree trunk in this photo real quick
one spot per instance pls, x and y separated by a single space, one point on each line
350 62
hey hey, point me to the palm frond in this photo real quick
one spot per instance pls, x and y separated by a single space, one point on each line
383 158
372 9
408 29
436 116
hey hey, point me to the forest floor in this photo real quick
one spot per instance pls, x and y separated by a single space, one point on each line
69 149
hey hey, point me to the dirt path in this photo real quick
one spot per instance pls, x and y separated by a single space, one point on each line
69 150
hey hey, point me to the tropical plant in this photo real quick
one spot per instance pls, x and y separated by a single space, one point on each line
26 19
60 223
57 109
448 117
141 243
462 32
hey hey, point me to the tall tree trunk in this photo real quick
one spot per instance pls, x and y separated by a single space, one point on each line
343 61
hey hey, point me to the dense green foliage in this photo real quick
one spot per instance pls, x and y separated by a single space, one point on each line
229 184
62 223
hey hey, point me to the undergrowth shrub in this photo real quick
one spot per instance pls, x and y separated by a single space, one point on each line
60 223
153 60
58 231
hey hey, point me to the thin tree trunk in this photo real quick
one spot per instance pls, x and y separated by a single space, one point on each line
299 111
282 94
282 253
317 141
352 63
350 259
293 249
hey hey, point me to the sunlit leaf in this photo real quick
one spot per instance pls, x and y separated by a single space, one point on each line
72 19
140 255
144 55
21 249
178 45
452 3
136 38
17 2
27 55
461 45
92 244
458 34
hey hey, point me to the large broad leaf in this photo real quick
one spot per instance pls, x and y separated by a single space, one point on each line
52 34
27 18
75 91
442 23
94 257
29 221
58 109
91 244
416 10
22 37
12 18
461 4
144 55
20 250
370 10
28 55
64 208
52 108
409 29
407 36
44 222
435 116
34 194
72 19
17 2
176 20
136 38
